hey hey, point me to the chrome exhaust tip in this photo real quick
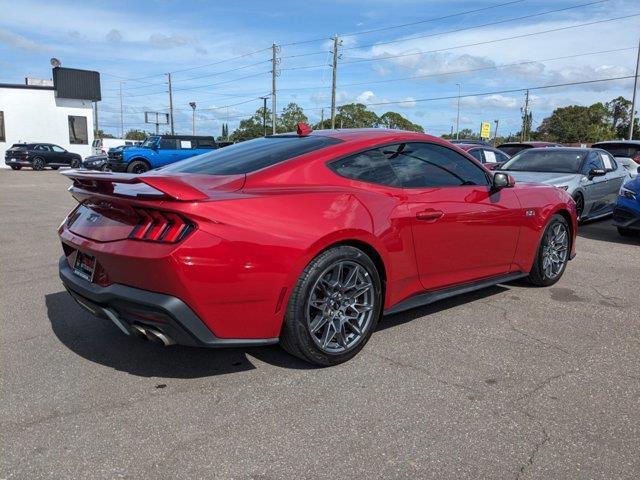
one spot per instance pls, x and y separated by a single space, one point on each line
158 337
139 331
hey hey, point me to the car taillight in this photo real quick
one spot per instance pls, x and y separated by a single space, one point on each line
158 226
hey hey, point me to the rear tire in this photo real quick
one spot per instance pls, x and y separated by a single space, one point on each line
16 167
334 307
553 253
75 163
38 163
138 166
55 167
627 232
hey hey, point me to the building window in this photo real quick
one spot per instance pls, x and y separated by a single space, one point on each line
3 137
78 130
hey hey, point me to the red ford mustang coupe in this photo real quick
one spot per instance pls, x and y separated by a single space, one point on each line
304 239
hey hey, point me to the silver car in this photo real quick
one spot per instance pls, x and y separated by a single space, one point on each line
590 175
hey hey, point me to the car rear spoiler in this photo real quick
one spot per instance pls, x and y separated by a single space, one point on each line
154 186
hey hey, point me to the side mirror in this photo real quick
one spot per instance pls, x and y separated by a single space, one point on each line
502 180
596 172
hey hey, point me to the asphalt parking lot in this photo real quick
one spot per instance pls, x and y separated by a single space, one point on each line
508 382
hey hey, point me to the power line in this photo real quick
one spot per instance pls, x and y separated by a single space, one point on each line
513 90
433 19
485 42
498 22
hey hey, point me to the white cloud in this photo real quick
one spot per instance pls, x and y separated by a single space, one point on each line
15 40
114 36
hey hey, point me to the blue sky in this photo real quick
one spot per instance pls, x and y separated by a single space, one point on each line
137 42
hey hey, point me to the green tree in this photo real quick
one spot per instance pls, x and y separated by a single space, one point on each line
397 122
252 127
576 124
288 120
355 115
620 112
135 134
101 134
464 133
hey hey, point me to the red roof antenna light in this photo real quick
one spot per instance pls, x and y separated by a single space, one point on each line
303 129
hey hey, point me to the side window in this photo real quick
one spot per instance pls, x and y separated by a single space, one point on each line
168 144
186 144
477 154
206 143
3 135
594 160
78 130
609 164
57 149
42 148
431 165
371 166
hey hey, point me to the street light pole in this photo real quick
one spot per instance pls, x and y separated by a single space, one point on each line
264 115
495 132
193 107
458 117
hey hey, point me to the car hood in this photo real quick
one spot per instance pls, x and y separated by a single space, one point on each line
633 185
550 178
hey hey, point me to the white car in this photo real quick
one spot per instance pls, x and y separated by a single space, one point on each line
626 153
101 146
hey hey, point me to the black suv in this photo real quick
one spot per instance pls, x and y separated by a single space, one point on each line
40 155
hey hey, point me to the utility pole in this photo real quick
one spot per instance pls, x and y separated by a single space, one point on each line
321 118
171 104
264 115
495 132
193 120
95 115
633 102
525 117
121 114
458 117
336 42
274 74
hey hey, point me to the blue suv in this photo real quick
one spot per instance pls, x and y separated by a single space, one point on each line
157 151
626 214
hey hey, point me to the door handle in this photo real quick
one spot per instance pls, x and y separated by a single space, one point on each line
429 215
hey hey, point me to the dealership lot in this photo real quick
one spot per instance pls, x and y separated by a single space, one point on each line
507 382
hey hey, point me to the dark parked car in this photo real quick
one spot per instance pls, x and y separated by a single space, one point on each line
492 158
512 148
96 162
470 141
40 155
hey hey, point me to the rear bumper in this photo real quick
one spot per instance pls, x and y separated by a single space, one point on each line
626 218
126 306
24 163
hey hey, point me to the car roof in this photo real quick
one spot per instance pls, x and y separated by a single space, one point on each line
534 144
623 142
469 146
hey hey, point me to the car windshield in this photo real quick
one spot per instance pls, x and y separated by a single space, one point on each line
150 142
545 160
252 155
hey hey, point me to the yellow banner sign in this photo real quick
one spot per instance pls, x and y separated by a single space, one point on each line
485 130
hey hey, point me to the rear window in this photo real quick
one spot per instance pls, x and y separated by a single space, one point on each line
619 149
511 150
252 155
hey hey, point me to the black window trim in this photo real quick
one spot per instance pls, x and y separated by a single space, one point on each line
396 142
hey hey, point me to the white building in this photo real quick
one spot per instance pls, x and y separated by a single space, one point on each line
36 113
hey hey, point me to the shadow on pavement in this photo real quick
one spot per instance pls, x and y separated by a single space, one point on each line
100 341
604 231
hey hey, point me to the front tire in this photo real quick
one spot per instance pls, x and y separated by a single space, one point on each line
553 253
75 163
334 307
138 166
